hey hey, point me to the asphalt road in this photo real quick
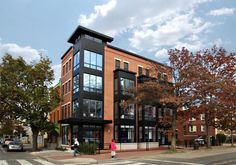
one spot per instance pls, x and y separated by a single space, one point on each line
220 159
25 158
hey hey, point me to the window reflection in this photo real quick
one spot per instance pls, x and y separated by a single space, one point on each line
92 83
92 60
92 108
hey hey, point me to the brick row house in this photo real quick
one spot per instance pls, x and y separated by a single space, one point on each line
95 79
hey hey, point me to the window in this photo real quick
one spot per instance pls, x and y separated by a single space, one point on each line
150 134
62 90
192 119
70 64
92 60
63 70
76 60
125 85
203 116
140 70
65 134
67 67
75 108
69 86
203 128
165 77
92 83
149 113
192 128
92 108
147 72
117 64
68 109
127 112
92 134
126 66
76 83
127 134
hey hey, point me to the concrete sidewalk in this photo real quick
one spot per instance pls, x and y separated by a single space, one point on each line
184 153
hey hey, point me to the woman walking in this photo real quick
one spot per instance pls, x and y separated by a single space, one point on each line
113 149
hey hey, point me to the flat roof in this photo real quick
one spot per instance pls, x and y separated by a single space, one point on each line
83 30
66 52
136 55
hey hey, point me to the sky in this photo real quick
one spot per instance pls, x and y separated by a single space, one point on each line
30 28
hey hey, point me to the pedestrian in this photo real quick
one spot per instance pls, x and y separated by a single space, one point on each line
113 149
76 147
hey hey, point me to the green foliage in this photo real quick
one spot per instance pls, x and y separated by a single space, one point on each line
88 148
25 93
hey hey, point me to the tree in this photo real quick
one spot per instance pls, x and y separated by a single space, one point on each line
202 74
26 92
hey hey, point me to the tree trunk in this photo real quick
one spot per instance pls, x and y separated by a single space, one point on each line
173 138
35 139
232 138
207 131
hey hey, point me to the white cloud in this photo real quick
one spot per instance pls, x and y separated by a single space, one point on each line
222 11
162 55
153 25
29 54
57 73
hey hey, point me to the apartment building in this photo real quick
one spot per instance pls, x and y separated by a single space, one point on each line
95 79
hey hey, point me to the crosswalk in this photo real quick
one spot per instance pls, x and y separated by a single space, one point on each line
25 162
149 162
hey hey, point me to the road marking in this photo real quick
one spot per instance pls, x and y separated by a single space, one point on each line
125 162
44 162
24 162
3 162
175 162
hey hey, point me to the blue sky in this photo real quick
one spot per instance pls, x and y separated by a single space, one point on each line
146 27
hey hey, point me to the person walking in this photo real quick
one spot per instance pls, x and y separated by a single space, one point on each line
76 147
113 149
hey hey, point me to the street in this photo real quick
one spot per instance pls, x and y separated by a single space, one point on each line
20 158
226 157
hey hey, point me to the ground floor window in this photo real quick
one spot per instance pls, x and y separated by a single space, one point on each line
127 134
65 134
92 134
150 134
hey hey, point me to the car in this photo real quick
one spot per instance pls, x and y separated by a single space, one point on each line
15 146
200 141
6 142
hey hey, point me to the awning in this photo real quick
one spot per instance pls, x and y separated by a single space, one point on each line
85 121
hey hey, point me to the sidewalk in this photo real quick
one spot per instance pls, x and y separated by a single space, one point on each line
185 153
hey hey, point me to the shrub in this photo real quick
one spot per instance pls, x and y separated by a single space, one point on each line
61 148
221 138
88 148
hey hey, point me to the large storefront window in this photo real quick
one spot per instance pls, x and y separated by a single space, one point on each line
92 108
76 83
127 112
92 83
75 108
65 134
92 134
150 113
92 60
127 134
76 60
125 85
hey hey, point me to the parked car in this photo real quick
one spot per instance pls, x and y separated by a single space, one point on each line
15 146
200 141
6 142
